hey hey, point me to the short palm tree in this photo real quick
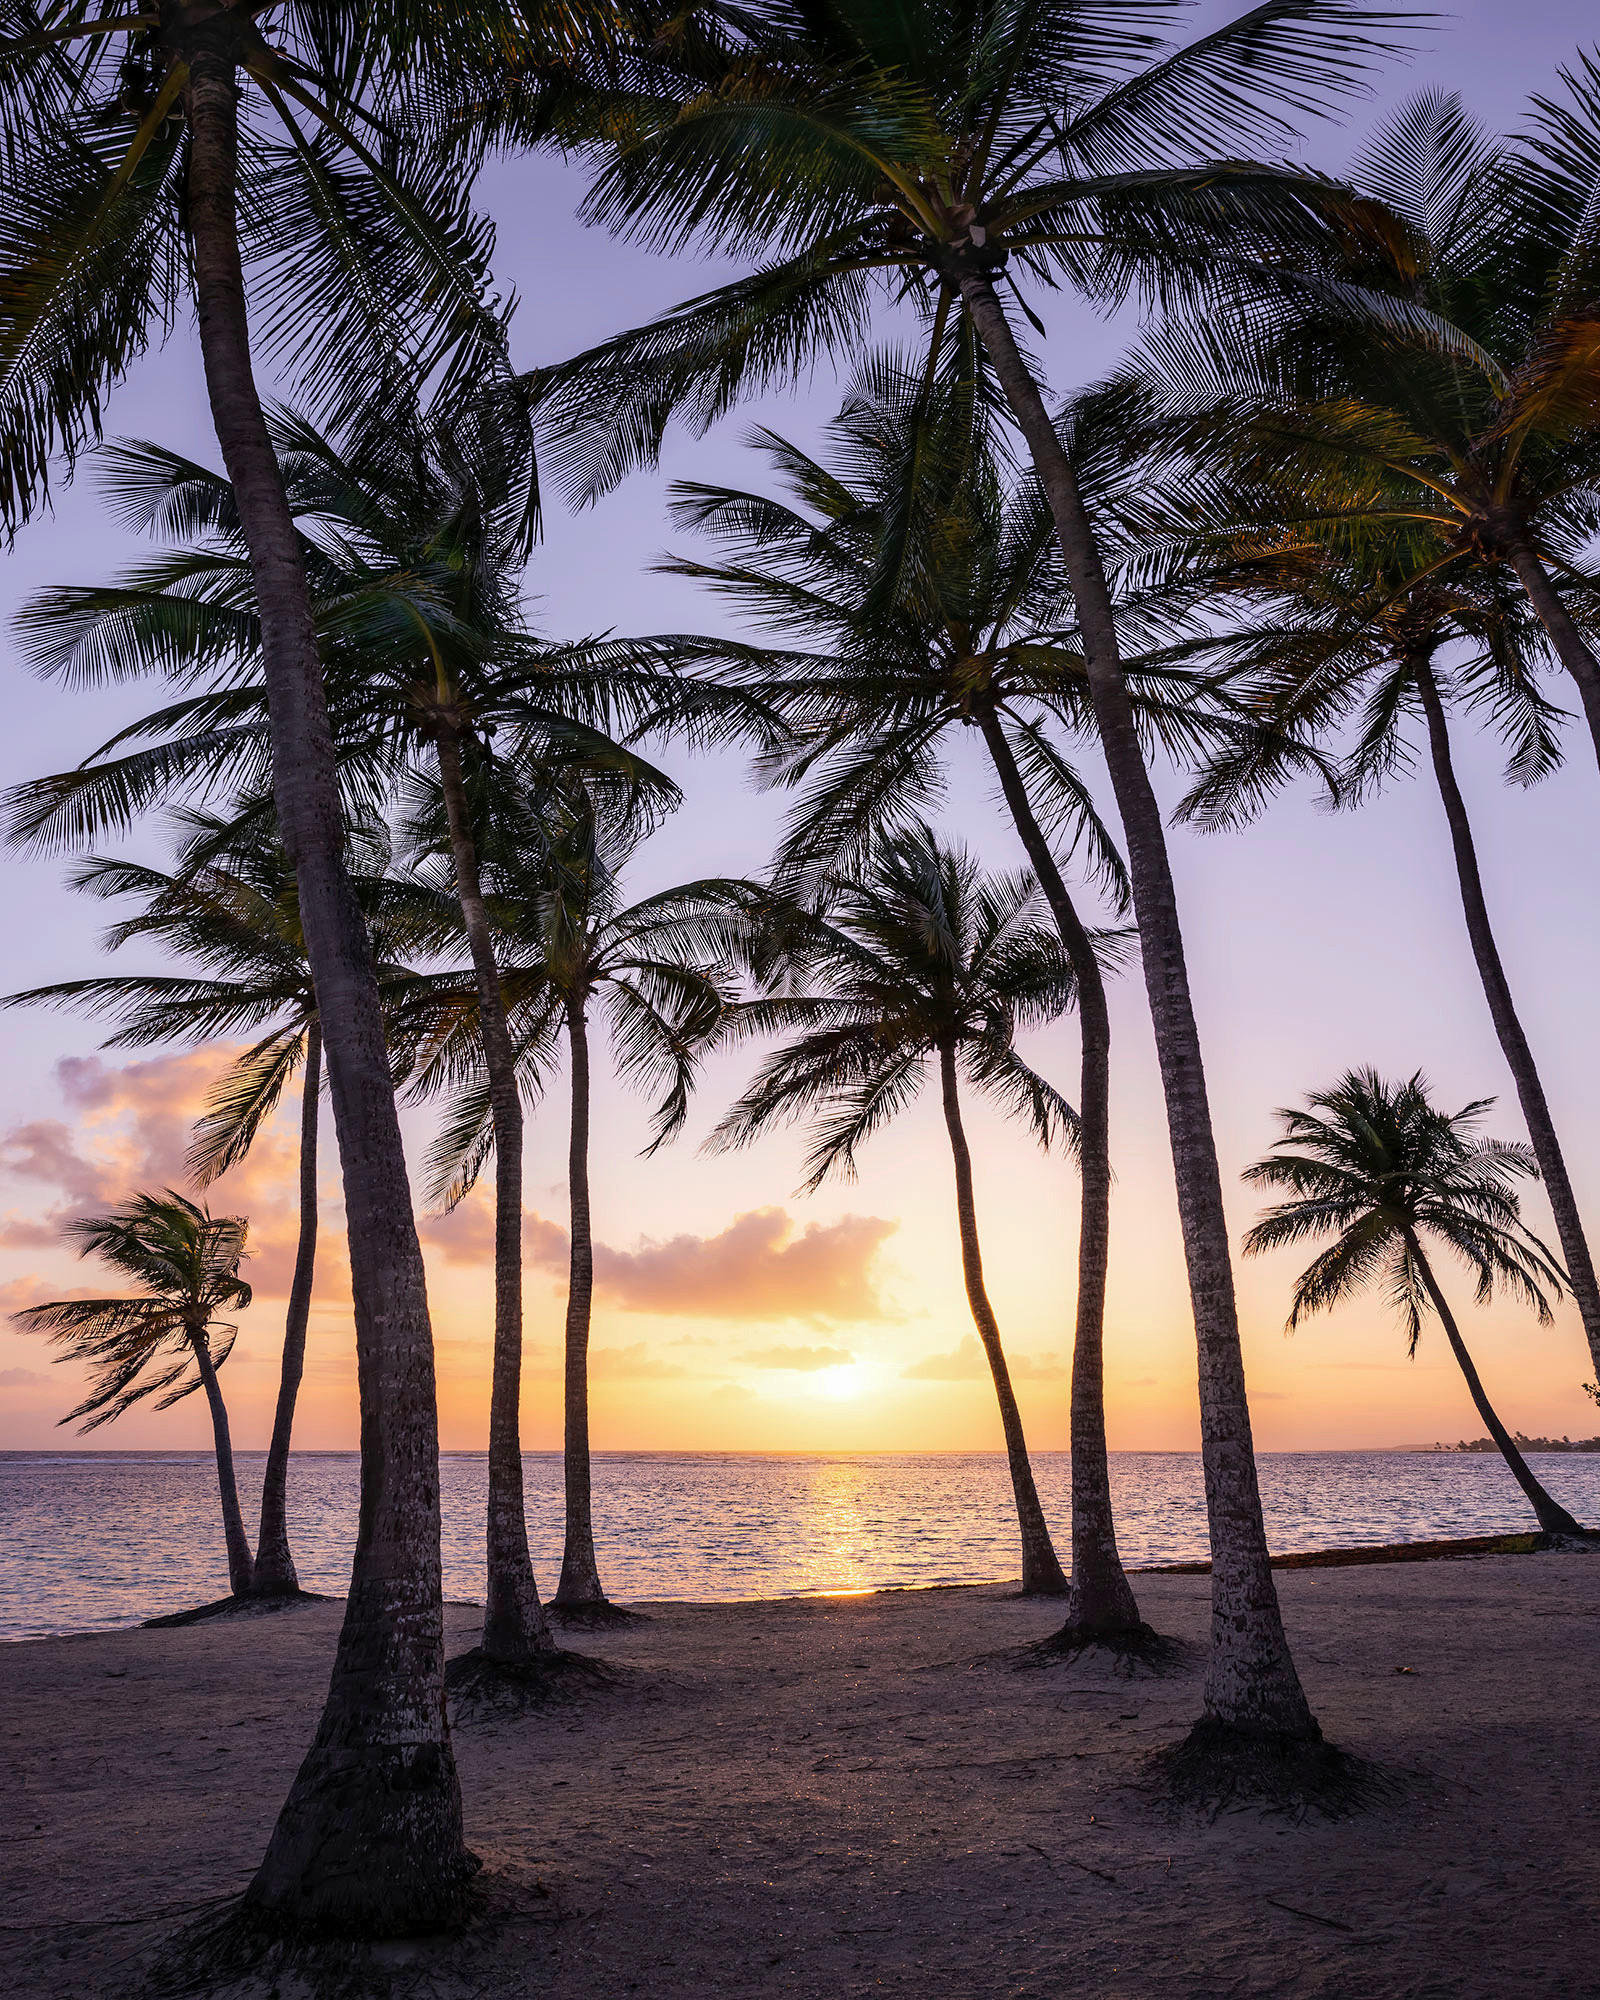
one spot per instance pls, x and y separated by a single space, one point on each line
953 156
568 941
914 593
148 160
1376 1166
170 1338
924 963
232 908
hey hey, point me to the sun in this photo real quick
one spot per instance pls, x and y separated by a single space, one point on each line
842 1384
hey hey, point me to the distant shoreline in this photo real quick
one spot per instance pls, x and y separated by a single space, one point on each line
553 1452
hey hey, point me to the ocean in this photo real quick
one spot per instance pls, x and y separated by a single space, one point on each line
93 1540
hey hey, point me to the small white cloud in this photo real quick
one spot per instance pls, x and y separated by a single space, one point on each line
967 1362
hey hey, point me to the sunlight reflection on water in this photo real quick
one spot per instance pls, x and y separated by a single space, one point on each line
97 1539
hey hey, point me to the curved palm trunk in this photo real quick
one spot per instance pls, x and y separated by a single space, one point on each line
579 1587
239 1564
275 1574
370 1836
1101 1599
1553 1517
1251 1682
1041 1572
1507 1025
515 1627
1572 649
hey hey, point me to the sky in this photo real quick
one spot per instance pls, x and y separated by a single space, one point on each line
732 1314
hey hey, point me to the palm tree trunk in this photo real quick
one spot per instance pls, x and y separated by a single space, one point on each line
579 1587
275 1574
1041 1571
239 1564
1251 1683
515 1627
1572 649
370 1837
1553 1517
1101 1599
1507 1026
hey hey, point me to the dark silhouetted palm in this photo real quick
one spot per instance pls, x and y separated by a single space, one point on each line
567 941
924 962
170 1338
951 153
1374 1165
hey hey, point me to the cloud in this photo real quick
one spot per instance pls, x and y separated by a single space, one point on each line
466 1235
732 1392
805 1359
19 1378
632 1364
966 1362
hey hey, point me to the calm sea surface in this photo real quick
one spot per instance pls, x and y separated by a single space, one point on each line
96 1539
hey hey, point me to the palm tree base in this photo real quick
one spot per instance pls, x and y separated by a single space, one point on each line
254 1604
478 1685
1133 1649
1221 1767
590 1614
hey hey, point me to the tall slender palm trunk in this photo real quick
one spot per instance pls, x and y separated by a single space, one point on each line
1041 1571
370 1837
275 1574
1100 1601
515 1627
1553 1517
238 1542
1251 1684
1507 1025
579 1588
1572 649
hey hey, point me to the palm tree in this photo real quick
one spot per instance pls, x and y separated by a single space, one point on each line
170 1338
1358 637
232 908
924 962
567 940
1374 1165
1436 368
950 153
415 527
148 159
917 595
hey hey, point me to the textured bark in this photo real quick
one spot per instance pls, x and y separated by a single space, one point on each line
1041 1572
239 1564
1553 1517
514 1623
1508 1026
1251 1682
580 1575
275 1574
1100 1599
1572 649
370 1836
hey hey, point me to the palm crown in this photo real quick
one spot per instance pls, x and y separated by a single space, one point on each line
1376 1166
185 1262
924 955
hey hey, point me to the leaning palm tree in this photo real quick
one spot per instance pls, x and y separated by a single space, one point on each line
914 595
923 963
170 1338
232 908
950 154
1376 1166
147 160
1357 639
567 940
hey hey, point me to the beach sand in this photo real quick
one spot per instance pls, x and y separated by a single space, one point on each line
839 1797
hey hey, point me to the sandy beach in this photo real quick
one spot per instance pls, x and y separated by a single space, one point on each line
843 1796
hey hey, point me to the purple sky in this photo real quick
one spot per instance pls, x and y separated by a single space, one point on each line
1314 943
